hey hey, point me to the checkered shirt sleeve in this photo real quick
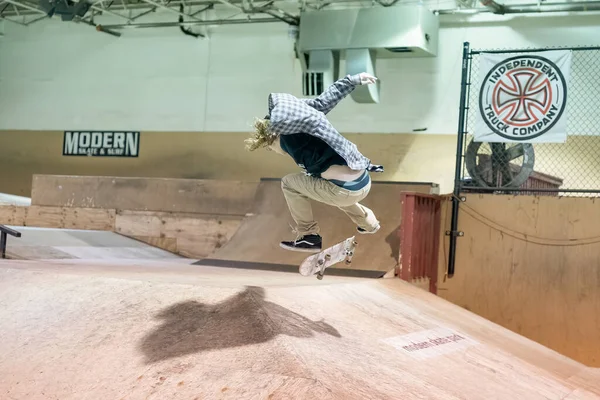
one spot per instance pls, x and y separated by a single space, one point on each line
335 93
289 115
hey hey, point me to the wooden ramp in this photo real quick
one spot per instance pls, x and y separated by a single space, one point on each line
164 330
189 217
256 243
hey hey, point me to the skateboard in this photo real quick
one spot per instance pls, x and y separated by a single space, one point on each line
317 263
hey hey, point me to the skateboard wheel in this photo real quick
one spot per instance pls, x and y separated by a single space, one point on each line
355 243
348 262
327 257
320 277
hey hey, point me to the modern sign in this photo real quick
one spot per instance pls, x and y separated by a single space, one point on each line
101 144
523 98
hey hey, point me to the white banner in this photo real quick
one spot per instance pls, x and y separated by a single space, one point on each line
522 98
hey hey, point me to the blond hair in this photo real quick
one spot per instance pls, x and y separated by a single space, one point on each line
262 136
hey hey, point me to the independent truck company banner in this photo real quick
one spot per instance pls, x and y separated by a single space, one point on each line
523 98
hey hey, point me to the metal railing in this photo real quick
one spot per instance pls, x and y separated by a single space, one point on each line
4 232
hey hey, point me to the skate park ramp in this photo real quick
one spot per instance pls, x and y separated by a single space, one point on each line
75 329
48 243
255 245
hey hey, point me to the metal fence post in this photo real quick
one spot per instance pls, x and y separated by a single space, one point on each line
458 166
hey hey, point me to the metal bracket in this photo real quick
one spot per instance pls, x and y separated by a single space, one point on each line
455 233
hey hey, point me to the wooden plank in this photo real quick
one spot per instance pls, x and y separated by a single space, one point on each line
530 264
13 215
71 218
58 217
196 235
168 244
144 194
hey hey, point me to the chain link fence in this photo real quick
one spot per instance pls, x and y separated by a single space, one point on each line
571 168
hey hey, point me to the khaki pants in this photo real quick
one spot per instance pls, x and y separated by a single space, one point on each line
299 188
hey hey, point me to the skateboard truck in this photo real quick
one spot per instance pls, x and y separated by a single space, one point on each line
316 264
348 260
320 264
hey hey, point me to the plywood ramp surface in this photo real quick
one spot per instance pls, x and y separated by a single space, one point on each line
164 330
190 235
256 243
531 264
144 194
47 243
12 200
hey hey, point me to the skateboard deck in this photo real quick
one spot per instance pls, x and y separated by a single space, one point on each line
318 262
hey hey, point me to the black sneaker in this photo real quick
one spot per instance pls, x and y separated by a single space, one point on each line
308 243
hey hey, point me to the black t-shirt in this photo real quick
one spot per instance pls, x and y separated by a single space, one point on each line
310 153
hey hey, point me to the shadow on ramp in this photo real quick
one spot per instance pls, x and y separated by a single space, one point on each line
247 318
332 271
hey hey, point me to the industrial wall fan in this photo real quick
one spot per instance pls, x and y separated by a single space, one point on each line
499 165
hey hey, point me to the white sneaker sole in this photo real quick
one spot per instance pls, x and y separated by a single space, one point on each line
369 232
300 250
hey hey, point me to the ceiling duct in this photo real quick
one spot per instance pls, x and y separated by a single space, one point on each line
363 60
360 36
390 32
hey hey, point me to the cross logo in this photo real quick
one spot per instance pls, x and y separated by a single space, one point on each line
523 97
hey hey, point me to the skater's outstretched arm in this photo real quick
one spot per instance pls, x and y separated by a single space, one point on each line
335 93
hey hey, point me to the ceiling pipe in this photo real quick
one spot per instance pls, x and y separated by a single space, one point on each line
187 31
491 6
285 17
171 10
527 8
26 6
494 7
171 24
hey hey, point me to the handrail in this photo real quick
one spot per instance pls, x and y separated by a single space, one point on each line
4 231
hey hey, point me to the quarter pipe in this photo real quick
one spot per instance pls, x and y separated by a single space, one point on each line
256 243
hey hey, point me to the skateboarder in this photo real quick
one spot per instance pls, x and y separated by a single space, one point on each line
335 172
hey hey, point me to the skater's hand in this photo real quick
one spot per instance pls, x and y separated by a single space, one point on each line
375 168
366 79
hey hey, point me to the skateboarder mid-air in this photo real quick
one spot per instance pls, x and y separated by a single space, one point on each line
335 172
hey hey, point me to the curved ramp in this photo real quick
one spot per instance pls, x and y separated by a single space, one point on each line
256 243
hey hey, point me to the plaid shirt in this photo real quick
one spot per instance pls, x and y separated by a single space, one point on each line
289 115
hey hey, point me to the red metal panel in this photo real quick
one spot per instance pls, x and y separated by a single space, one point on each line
419 238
